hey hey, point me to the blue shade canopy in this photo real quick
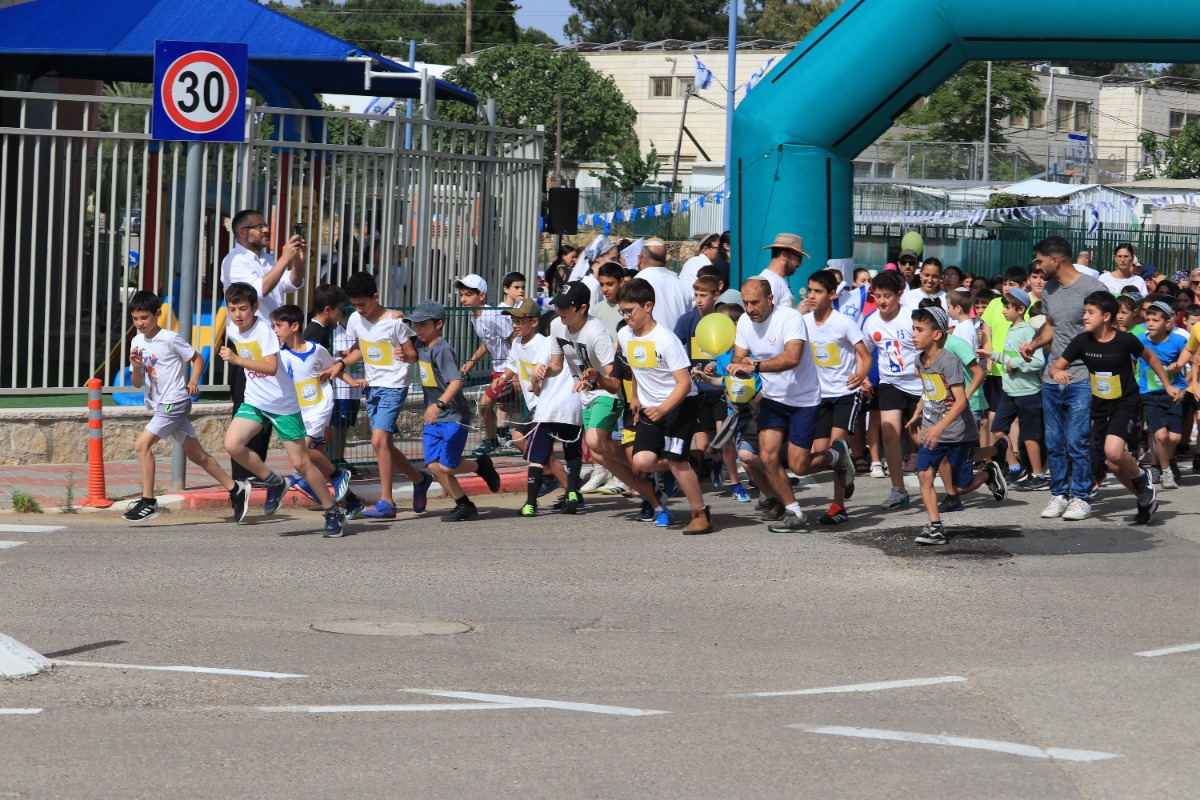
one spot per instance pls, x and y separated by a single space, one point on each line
113 40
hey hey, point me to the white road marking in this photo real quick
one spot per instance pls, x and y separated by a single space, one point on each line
1166 651
19 711
245 673
860 687
533 702
30 528
6 545
1012 748
366 709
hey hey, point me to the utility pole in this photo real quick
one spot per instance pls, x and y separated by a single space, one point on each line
469 9
730 101
558 177
987 129
679 141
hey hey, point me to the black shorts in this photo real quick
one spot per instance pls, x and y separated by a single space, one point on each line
710 411
671 436
543 435
993 390
892 398
839 412
1121 417
1027 410
1162 412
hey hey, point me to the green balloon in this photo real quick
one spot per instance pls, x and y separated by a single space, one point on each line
913 241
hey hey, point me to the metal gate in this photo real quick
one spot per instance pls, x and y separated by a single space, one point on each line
91 210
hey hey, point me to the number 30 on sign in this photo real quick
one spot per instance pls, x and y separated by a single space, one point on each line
199 91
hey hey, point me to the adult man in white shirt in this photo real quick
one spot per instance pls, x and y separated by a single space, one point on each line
249 262
671 298
787 254
703 258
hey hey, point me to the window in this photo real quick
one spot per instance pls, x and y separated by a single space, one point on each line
1083 116
1179 119
1037 117
661 87
1018 121
884 170
1065 115
862 169
685 86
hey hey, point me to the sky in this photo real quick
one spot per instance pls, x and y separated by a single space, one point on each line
548 15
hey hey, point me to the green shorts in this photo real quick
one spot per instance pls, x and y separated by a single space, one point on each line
289 427
603 413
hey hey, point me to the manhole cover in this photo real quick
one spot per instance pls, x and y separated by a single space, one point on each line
375 627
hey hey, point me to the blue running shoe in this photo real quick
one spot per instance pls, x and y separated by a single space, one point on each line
355 508
739 493
381 510
275 491
647 512
341 485
300 485
335 523
549 484
662 518
421 493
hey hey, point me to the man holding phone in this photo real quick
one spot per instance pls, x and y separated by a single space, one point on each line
250 262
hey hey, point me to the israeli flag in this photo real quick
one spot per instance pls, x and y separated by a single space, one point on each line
758 75
380 105
704 75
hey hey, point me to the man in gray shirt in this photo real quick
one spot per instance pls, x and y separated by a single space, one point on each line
1066 408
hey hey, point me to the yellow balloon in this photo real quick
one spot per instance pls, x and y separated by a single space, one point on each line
913 241
715 334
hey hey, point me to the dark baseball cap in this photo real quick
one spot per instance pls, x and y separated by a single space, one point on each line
575 293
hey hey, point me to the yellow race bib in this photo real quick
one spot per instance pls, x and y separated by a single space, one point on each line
699 353
427 376
378 354
308 392
827 355
739 390
641 354
1106 385
250 350
628 390
527 371
934 386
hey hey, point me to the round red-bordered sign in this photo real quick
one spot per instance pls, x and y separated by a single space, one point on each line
200 92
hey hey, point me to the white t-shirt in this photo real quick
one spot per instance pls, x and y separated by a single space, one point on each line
797 387
593 283
671 299
1115 283
590 346
654 357
897 356
164 359
276 393
558 402
342 342
691 269
832 346
968 331
381 342
1095 273
912 298
495 329
243 266
314 397
780 289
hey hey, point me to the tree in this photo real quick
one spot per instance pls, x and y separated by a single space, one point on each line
1177 157
646 20
956 111
626 170
787 21
525 81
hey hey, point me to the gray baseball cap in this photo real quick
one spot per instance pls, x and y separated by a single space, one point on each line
427 309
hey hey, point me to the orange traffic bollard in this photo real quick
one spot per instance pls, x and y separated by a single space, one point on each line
96 492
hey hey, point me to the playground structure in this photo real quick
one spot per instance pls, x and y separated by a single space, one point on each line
796 135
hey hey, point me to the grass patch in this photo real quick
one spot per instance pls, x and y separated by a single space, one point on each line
25 503
68 504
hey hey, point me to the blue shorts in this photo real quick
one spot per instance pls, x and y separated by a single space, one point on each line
444 443
383 407
1026 410
345 413
1162 412
958 454
799 422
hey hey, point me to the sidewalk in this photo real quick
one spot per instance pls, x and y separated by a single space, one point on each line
123 482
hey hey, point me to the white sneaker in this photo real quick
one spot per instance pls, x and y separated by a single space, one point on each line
614 486
1168 480
1056 507
598 478
877 470
1077 509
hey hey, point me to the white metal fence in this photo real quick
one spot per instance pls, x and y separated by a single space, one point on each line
91 210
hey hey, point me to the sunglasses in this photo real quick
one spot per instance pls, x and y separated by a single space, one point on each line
907 263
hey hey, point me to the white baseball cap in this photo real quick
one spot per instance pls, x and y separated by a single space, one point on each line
471 281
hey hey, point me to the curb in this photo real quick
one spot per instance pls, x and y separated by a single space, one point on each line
207 499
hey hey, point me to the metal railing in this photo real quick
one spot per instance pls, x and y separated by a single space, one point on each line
91 210
1015 161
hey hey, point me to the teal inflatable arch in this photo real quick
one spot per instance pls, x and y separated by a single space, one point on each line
795 136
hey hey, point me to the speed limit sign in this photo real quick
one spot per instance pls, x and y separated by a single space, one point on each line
199 91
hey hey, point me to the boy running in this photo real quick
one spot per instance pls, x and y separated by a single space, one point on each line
495 334
156 359
1164 414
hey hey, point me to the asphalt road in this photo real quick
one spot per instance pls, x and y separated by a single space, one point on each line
1027 630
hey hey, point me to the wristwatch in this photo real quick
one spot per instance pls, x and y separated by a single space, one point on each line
440 404
757 365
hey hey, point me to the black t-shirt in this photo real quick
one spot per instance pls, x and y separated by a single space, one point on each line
1109 364
319 334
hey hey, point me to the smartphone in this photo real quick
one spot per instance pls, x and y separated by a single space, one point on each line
298 230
